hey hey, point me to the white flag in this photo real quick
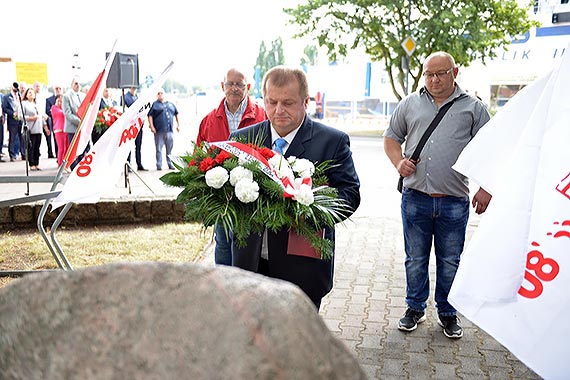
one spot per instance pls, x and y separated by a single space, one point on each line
87 112
514 274
103 164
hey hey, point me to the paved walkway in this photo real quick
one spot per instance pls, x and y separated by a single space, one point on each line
367 300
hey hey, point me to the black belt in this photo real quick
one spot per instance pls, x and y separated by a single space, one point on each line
433 195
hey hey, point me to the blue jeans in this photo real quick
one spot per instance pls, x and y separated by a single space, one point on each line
15 143
443 221
223 249
162 139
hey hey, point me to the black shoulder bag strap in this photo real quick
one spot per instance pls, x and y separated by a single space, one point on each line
427 133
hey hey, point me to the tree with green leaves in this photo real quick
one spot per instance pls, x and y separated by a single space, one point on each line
467 29
268 59
310 55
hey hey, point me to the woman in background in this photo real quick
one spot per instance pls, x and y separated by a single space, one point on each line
58 119
34 122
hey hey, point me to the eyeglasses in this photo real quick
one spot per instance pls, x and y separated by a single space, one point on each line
241 86
439 74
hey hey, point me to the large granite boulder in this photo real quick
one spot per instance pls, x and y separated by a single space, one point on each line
165 321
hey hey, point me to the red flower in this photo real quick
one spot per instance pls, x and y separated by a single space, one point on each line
222 156
266 152
207 164
105 118
192 162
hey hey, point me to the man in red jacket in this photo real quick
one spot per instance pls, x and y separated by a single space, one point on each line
235 111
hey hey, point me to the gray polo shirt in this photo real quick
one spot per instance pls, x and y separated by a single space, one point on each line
462 121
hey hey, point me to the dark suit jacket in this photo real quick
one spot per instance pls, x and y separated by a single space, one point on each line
9 106
317 143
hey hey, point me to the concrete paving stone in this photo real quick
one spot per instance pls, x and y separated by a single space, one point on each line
333 324
373 328
336 302
398 291
359 299
357 309
370 356
393 367
470 366
396 336
370 341
338 293
444 355
499 373
468 347
384 376
394 349
418 345
379 305
445 371
495 358
370 371
350 333
342 283
520 371
354 321
362 280
335 312
351 345
375 316
418 363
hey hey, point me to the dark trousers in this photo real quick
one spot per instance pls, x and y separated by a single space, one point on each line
51 148
138 144
34 149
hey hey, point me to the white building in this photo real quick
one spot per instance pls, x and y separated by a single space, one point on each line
523 61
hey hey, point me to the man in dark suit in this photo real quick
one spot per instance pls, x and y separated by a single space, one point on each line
10 104
286 96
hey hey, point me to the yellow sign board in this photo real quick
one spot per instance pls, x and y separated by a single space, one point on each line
409 45
31 72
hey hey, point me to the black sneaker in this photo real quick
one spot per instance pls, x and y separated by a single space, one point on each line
451 327
411 319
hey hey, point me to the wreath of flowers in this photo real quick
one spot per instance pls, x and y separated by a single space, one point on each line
105 118
248 188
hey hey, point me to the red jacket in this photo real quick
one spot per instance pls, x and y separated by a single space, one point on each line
214 126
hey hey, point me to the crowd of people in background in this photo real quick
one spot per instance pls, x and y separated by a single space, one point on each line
32 117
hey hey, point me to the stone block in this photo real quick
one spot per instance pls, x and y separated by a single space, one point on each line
165 321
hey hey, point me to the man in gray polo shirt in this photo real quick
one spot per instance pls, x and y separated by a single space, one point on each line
435 198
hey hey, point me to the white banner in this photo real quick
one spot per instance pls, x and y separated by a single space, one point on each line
102 166
513 277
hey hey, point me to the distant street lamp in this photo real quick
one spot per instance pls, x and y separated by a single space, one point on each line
75 68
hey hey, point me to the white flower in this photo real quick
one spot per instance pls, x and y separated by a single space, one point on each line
247 190
216 177
304 195
281 166
302 166
238 173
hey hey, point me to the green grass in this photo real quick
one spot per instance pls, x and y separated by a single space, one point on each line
92 246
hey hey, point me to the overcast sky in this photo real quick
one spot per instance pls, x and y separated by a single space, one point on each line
203 41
